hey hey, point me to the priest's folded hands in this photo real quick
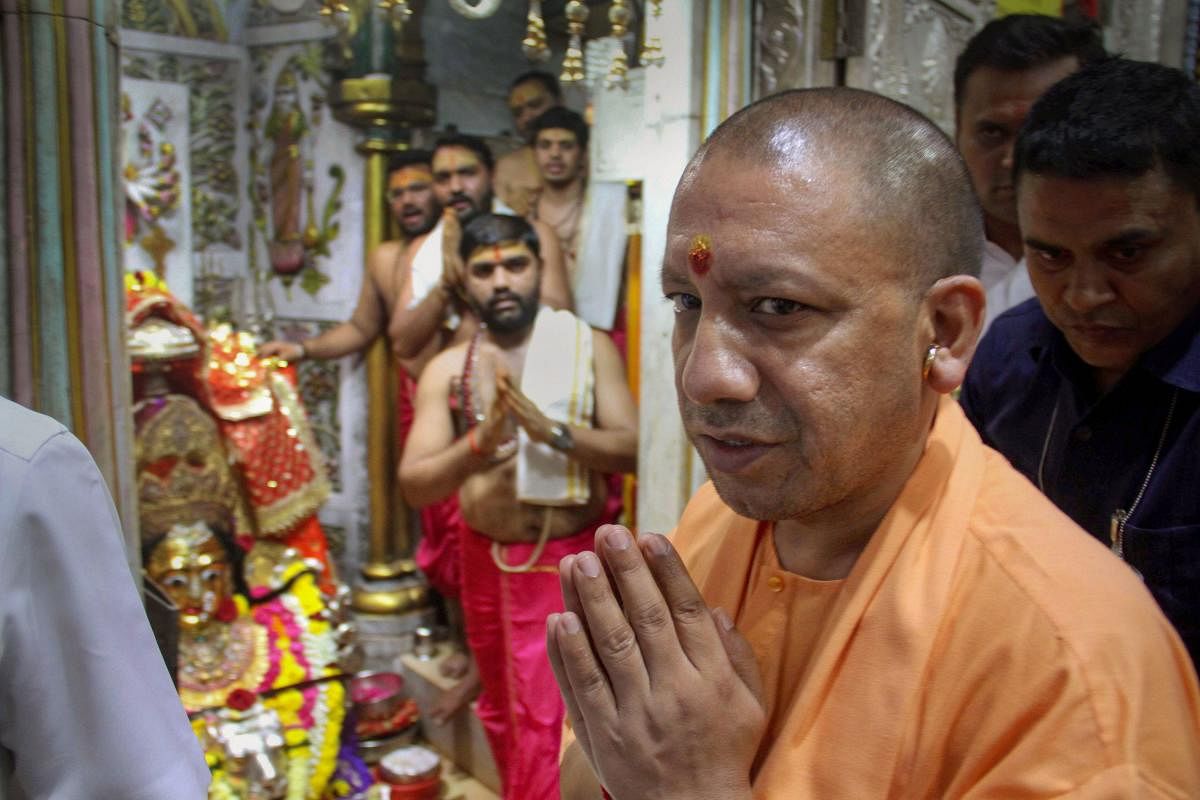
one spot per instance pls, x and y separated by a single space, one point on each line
663 693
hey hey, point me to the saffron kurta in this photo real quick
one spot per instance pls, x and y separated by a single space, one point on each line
982 646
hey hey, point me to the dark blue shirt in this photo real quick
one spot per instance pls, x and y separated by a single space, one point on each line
1094 458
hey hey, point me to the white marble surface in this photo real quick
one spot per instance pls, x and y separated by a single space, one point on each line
672 131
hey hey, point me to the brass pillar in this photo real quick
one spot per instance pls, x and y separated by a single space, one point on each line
385 105
390 539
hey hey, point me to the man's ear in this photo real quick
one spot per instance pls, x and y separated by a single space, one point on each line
956 305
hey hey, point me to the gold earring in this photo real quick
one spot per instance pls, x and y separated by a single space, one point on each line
930 357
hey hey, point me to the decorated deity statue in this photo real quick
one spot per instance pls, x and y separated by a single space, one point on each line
276 478
220 649
260 642
258 668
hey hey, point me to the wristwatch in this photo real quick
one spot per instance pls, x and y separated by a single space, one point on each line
560 437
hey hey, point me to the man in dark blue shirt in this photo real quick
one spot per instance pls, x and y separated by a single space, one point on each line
1092 390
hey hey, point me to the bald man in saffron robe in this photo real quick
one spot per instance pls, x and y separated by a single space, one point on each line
866 601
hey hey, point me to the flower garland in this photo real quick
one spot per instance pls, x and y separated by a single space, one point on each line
306 602
300 646
299 775
327 756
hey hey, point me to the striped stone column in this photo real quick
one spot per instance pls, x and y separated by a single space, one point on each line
62 337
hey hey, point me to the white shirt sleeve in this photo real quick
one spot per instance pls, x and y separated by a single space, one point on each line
1015 289
87 708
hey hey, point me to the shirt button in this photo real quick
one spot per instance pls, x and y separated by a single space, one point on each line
775 583
1083 434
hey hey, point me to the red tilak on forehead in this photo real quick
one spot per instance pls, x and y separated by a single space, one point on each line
496 254
700 255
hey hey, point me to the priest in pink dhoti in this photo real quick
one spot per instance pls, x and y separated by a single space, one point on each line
522 422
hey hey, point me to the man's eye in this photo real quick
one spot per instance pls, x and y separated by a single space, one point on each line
990 135
1046 258
777 306
1127 254
682 301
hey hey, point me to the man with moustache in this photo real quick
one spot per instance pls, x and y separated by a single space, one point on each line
517 177
882 606
519 422
1003 70
1093 389
411 198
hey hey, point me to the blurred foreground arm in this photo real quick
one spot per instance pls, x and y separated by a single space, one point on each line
87 708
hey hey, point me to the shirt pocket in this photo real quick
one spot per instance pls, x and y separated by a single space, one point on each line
1169 561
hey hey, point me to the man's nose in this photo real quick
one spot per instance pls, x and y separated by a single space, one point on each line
500 279
1088 287
717 368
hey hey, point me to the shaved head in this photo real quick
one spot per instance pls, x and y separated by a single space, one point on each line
815 255
907 177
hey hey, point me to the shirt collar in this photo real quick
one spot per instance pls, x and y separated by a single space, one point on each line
1175 360
996 252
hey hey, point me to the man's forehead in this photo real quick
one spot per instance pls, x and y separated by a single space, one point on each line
1014 89
522 93
555 135
728 187
757 225
454 157
499 251
1151 195
412 173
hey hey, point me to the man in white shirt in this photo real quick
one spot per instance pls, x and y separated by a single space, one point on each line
1002 71
87 709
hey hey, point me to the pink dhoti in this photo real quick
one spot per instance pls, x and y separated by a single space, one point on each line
437 553
437 550
505 613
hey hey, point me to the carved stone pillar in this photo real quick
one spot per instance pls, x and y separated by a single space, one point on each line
62 339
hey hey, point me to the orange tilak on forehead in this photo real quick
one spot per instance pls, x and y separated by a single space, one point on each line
406 177
700 254
497 254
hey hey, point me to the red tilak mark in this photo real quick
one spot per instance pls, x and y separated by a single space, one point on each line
496 254
700 256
